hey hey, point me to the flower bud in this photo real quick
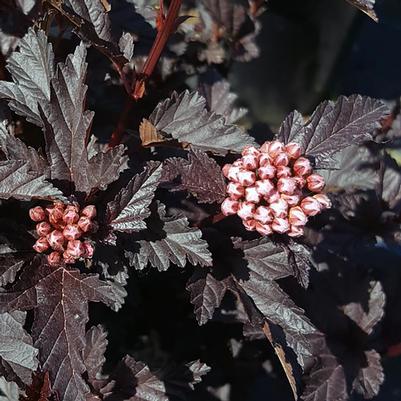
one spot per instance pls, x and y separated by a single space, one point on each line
265 147
71 232
267 172
43 228
85 224
252 195
283 172
264 187
233 171
324 200
235 190
264 160
41 245
280 226
281 159
246 210
56 216
297 217
37 214
229 207
263 214
238 163
225 169
68 259
250 150
56 240
275 148
286 186
311 206
263 229
273 197
250 162
300 181
296 231
302 167
293 150
315 182
58 205
88 250
246 178
75 248
70 216
54 258
89 211
292 200
249 224
279 208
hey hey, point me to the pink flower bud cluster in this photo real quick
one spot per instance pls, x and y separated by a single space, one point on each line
62 230
273 189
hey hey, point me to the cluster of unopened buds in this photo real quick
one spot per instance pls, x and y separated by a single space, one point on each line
273 189
63 232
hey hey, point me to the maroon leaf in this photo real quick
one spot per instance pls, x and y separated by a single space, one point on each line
129 209
184 117
200 175
40 389
60 299
367 6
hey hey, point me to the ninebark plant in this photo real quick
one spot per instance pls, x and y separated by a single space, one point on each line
90 200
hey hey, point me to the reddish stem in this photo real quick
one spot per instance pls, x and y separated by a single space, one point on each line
122 122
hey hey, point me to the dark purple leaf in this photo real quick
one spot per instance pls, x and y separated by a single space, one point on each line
300 260
367 6
60 299
126 45
17 354
178 244
32 69
206 294
184 117
200 175
9 390
95 348
391 185
129 209
334 126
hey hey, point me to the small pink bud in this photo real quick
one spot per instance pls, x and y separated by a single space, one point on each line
264 160
238 163
71 232
302 167
246 210
225 169
72 207
75 248
263 229
265 147
300 181
286 186
250 162
249 225
68 259
263 214
279 208
292 200
250 150
70 216
275 148
267 172
252 195
88 250
315 182
324 200
280 226
246 178
283 172
264 187
273 197
54 258
59 205
293 150
311 206
85 224
56 240
229 207
41 245
233 172
37 214
296 231
43 228
281 159
56 216
235 190
297 217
